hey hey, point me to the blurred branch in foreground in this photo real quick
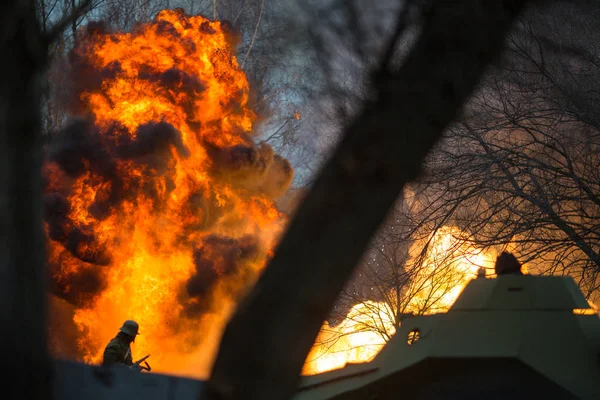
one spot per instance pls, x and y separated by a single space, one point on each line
266 343
22 272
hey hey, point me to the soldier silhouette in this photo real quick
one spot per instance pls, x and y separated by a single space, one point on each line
507 264
118 350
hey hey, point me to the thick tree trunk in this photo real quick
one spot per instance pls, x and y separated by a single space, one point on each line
25 364
265 345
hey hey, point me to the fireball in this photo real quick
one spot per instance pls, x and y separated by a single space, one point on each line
159 204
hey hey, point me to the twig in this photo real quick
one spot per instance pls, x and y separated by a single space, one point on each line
66 20
399 29
262 5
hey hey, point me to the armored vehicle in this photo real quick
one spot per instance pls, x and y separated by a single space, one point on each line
512 337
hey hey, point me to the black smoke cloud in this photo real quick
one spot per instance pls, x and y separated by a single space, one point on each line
255 168
216 259
74 280
80 243
79 149
82 148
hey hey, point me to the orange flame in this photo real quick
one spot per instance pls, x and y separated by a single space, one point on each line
184 211
437 281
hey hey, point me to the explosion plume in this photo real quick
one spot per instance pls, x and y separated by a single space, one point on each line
159 204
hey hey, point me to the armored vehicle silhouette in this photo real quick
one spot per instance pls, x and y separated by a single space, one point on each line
512 337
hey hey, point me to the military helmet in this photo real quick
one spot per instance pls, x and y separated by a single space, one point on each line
130 328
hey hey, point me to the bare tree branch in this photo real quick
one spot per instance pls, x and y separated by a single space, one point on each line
67 20
399 29
262 6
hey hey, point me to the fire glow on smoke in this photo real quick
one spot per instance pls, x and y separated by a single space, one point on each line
159 205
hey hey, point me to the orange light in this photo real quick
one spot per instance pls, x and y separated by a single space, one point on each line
449 265
584 311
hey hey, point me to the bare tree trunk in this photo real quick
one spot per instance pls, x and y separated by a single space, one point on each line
74 21
26 365
44 16
266 343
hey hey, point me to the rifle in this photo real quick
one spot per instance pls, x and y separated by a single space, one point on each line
138 364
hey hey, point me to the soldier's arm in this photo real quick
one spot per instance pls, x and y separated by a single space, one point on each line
111 356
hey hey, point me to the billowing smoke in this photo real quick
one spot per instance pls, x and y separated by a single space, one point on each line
219 258
159 204
81 149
